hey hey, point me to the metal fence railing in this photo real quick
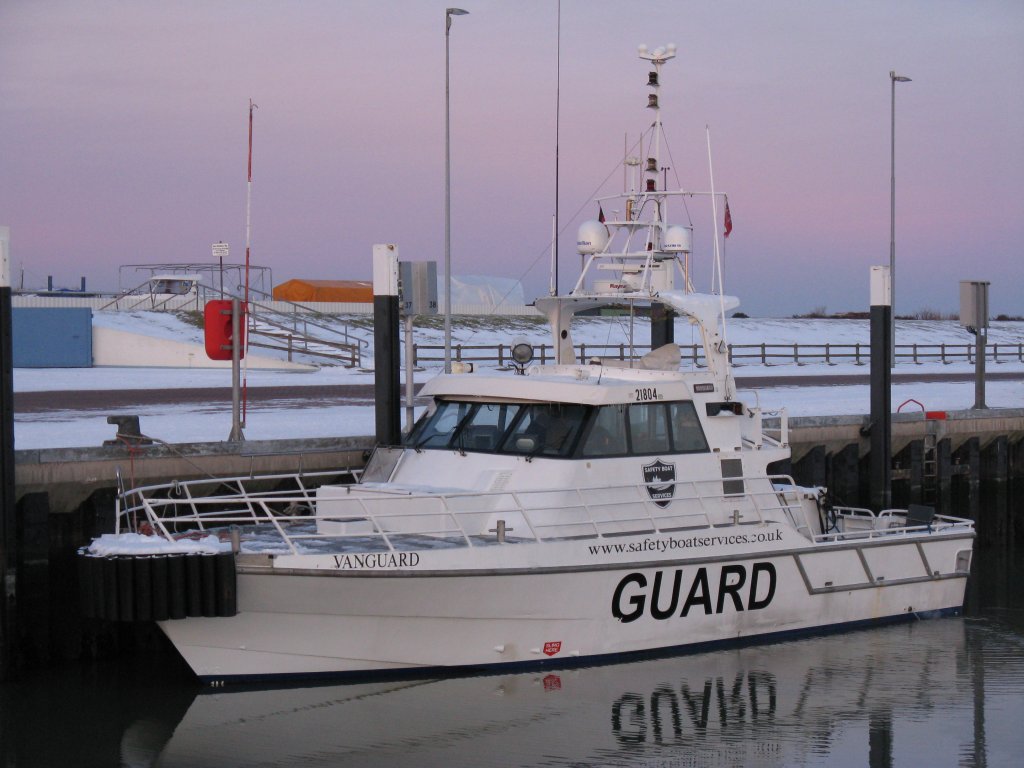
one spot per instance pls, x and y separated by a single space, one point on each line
739 354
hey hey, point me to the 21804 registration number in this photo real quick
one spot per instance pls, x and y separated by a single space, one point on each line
644 394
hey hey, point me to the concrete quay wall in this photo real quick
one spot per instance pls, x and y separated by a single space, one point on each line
969 464
820 446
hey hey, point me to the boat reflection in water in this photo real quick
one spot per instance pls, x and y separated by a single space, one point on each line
897 695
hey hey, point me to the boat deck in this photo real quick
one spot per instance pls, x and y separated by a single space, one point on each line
276 515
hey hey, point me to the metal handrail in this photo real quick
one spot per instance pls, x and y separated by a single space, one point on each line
205 512
858 353
939 523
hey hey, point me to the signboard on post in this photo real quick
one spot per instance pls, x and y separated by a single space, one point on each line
220 250
417 287
974 317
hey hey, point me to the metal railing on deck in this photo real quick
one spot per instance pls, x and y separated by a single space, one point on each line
389 517
853 523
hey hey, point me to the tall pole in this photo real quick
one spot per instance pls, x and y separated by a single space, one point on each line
558 107
8 523
893 78
248 205
248 243
449 12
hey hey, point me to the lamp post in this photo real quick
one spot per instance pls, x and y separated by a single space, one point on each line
893 78
449 12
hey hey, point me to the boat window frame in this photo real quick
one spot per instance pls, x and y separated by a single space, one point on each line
592 426
697 423
457 441
570 443
675 435
415 438
575 444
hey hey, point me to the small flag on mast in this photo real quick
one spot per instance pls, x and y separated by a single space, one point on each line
728 219
600 213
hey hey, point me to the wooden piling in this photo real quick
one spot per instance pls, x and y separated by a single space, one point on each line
811 470
966 471
844 475
994 482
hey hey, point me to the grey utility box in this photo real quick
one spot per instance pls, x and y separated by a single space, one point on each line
974 304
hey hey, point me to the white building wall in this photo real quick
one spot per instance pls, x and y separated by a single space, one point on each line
111 347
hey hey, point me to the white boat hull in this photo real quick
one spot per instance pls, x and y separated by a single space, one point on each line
353 622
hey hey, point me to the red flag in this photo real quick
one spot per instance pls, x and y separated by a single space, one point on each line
600 213
728 219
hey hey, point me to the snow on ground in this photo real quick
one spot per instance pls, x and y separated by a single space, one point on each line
190 423
184 424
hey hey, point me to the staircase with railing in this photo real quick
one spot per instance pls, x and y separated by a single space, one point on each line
301 330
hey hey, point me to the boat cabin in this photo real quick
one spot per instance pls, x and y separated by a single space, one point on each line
562 430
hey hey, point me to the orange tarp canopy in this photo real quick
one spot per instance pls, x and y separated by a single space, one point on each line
351 291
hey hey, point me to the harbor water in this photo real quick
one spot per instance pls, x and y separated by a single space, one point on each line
944 692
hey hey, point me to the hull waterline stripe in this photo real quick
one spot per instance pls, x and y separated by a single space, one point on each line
415 673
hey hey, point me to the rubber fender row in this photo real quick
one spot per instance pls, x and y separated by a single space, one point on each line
157 587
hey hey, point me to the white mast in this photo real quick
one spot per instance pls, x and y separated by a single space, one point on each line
657 57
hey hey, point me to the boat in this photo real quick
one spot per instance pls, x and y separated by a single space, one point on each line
576 512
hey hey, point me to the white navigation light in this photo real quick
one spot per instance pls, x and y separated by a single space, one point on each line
678 239
522 355
591 238
522 351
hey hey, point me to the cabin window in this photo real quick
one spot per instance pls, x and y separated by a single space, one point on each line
483 430
648 428
438 430
555 429
653 428
687 434
607 436
546 429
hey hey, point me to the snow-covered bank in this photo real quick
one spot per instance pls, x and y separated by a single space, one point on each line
180 424
189 423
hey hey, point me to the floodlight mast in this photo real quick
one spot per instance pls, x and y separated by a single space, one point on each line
449 12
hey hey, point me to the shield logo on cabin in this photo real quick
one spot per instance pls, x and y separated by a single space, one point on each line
660 472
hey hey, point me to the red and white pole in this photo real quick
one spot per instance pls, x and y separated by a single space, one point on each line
248 244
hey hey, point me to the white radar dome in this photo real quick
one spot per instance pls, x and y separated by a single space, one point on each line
678 239
592 238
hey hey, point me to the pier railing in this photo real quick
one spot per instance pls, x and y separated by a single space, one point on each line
739 354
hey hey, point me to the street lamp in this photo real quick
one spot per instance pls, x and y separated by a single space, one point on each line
894 78
449 12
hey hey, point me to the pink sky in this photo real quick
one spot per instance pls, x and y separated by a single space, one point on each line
124 132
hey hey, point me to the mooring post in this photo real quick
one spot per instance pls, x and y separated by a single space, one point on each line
880 426
8 527
386 358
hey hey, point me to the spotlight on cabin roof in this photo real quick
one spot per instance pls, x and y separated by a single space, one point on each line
522 354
